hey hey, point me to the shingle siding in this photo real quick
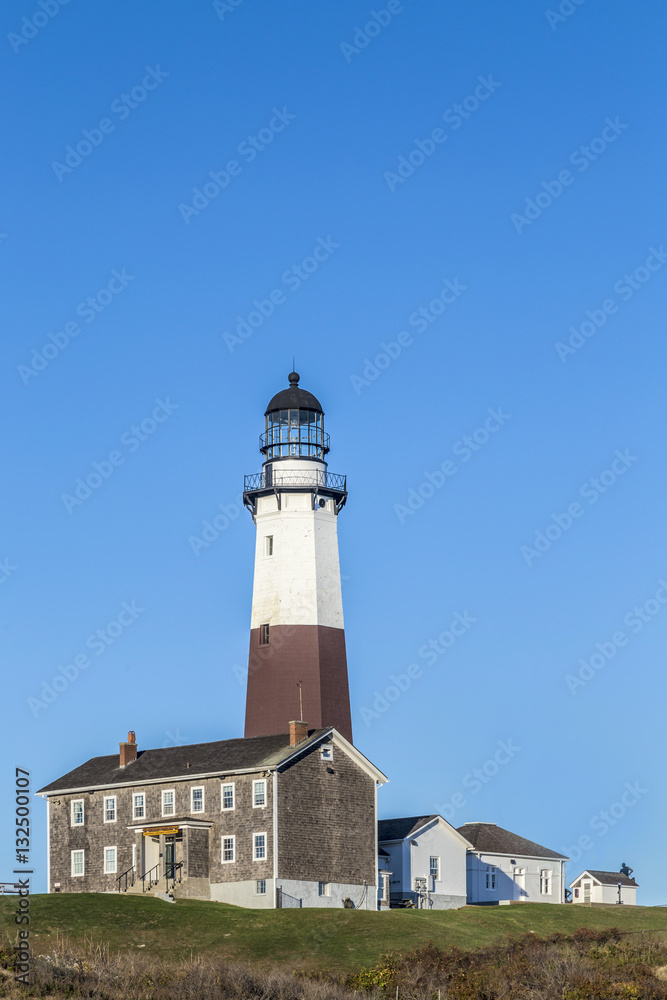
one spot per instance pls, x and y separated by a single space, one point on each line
326 820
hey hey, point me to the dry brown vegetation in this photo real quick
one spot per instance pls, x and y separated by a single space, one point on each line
588 965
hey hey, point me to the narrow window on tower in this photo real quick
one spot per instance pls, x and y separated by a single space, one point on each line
268 545
263 635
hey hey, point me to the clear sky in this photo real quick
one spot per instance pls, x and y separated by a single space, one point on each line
484 187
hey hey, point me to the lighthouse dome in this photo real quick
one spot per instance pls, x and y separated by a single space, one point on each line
294 398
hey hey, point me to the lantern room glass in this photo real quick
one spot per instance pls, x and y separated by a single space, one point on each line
294 433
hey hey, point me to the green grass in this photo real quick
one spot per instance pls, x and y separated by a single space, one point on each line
309 938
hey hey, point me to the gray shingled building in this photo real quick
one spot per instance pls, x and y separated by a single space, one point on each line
286 820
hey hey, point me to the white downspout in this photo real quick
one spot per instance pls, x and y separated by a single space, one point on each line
275 836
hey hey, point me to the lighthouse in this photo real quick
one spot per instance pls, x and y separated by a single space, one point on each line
297 666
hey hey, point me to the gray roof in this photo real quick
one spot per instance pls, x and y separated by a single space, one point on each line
491 839
399 829
221 757
609 878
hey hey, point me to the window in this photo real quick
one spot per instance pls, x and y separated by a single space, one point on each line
197 797
327 753
77 812
227 797
77 863
268 545
263 635
324 888
259 793
545 882
168 803
109 860
490 877
259 846
138 805
260 887
228 849
110 809
434 869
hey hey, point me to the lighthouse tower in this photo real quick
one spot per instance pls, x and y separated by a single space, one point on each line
297 668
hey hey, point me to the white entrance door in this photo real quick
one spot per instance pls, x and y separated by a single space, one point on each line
520 882
587 892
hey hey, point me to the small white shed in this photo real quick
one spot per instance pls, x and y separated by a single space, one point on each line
604 887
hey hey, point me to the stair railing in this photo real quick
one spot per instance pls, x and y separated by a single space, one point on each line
122 887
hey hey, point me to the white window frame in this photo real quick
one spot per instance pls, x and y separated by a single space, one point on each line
109 798
107 870
268 546
83 812
224 860
546 877
262 782
197 788
491 878
327 752
254 846
260 882
172 792
135 813
83 863
435 876
223 807
324 888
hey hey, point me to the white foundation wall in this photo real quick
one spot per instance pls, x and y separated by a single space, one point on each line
243 894
299 584
363 897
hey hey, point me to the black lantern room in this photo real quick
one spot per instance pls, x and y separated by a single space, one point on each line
294 425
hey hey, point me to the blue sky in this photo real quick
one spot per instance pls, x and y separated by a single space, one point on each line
212 149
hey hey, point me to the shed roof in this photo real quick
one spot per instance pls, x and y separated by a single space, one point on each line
607 878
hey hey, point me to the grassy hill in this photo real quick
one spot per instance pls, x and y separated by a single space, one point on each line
338 939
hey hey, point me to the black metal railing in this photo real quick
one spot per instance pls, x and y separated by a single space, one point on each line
123 879
170 874
304 434
153 879
277 479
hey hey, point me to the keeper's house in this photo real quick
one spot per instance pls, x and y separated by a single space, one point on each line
265 821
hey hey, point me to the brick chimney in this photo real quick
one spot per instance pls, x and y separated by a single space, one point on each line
128 751
297 731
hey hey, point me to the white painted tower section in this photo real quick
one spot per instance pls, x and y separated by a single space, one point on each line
297 573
